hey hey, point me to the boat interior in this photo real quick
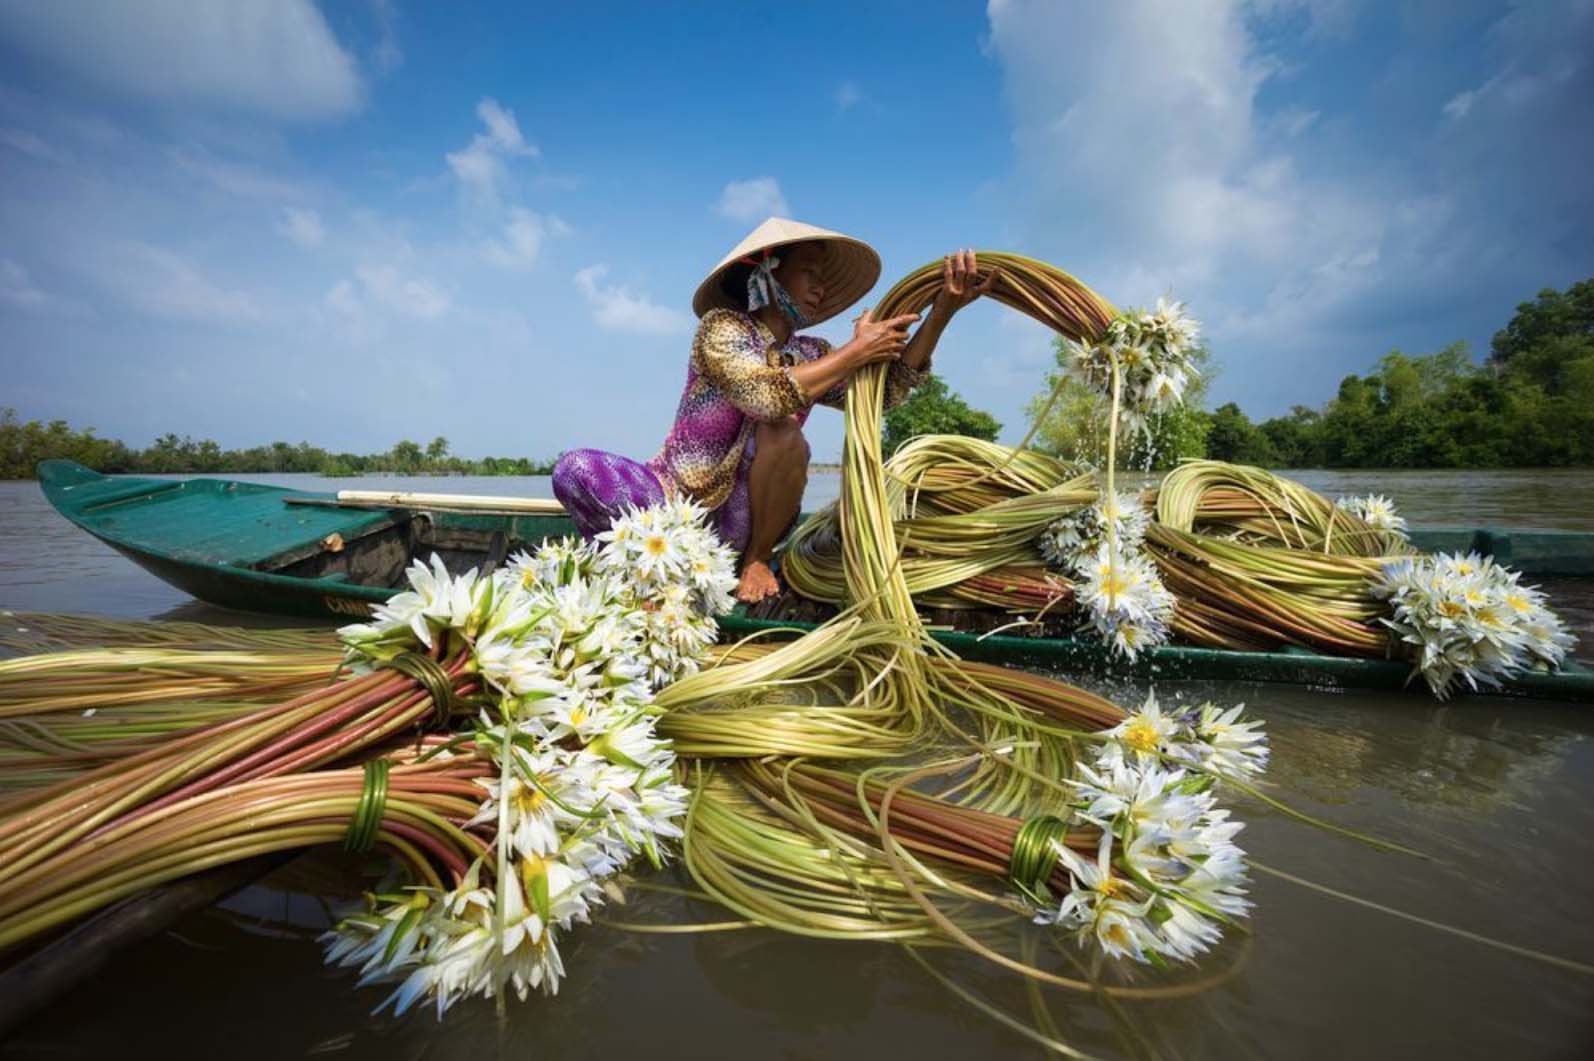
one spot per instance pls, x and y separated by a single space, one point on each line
379 554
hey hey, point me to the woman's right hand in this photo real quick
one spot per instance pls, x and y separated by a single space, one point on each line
874 340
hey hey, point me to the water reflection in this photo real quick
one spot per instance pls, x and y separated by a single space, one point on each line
1499 794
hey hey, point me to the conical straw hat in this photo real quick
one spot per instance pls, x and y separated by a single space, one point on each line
850 269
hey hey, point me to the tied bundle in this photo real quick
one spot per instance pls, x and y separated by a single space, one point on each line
536 777
521 742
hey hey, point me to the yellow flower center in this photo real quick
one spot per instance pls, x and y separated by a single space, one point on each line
1450 609
528 798
1142 736
655 544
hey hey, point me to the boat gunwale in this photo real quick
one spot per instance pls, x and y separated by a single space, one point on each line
1573 682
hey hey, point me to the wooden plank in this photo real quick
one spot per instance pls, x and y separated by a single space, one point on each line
544 506
374 506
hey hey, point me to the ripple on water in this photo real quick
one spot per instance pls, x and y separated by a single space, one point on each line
1499 794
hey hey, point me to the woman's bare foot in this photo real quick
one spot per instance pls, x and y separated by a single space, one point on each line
757 582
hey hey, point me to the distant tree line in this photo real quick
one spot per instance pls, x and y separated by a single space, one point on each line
1530 403
24 444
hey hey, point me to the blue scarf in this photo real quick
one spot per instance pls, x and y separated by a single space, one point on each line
764 290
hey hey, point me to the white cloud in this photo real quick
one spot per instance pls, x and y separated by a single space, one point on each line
753 200
343 299
161 283
848 94
1203 202
1303 242
1460 104
1293 121
617 309
523 238
480 165
413 296
29 144
274 57
234 178
17 288
302 226
386 55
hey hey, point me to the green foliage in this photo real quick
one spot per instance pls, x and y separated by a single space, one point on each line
1295 440
1235 439
1073 430
1531 403
934 410
24 445
1539 325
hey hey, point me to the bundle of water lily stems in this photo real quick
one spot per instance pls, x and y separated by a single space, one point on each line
517 741
967 514
1257 561
1248 560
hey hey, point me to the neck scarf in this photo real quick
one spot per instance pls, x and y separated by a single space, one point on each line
764 290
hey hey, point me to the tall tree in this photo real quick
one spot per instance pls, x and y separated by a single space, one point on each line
1073 428
932 409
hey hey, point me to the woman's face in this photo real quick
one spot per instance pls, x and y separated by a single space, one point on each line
799 272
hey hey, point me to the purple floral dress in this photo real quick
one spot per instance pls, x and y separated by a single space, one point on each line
738 376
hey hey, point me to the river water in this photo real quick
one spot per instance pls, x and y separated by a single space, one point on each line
1498 794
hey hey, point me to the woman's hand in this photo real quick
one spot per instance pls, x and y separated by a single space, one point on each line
960 283
874 340
871 341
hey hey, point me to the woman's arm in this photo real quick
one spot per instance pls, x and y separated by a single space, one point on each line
871 341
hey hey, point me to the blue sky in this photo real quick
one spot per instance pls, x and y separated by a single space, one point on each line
358 221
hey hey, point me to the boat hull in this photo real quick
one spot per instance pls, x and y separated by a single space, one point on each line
259 548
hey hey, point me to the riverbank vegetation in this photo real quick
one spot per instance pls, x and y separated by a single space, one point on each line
1529 403
23 444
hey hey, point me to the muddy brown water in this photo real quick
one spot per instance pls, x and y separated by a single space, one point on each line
1498 795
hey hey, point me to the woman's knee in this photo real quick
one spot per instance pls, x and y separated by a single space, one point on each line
784 442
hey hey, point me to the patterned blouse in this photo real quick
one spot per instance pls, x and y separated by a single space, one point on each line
739 375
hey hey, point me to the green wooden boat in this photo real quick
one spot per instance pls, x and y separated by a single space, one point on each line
267 549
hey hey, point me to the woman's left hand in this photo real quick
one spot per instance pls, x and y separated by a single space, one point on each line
960 282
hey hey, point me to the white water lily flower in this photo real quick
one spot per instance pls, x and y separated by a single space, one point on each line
1124 931
571 640
1468 620
1147 732
1167 871
428 598
1125 602
1175 329
530 956
1152 352
1165 390
1072 543
1231 747
1375 510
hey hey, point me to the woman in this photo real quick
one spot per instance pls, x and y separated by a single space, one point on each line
737 446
